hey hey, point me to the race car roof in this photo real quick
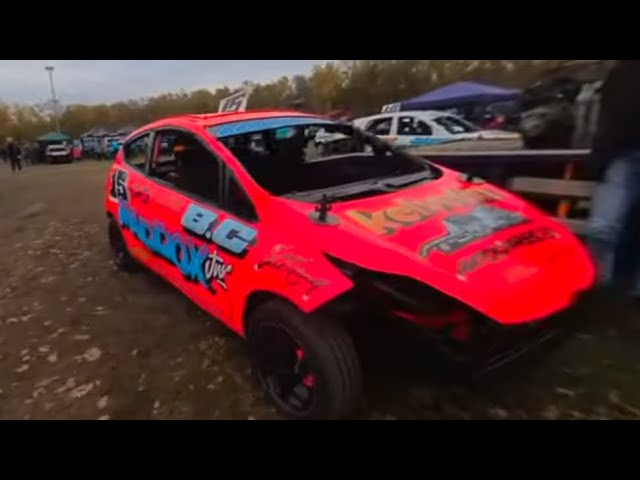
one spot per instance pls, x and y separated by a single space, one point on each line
241 127
213 119
238 123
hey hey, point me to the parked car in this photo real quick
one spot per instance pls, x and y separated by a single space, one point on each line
329 143
77 150
503 116
58 153
295 254
420 128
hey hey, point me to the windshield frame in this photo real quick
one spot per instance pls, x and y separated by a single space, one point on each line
344 192
371 146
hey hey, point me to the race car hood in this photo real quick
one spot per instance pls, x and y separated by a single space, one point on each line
472 241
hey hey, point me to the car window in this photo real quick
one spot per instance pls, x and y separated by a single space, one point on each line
181 159
455 125
135 151
238 201
380 126
413 126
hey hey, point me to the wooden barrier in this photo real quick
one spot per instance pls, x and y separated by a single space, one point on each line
569 191
546 177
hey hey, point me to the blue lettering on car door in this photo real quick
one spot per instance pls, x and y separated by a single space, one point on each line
234 236
198 263
199 221
231 235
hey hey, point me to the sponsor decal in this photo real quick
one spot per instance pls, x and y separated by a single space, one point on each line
407 213
198 262
462 230
501 249
283 259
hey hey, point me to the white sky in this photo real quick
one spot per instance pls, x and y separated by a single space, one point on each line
97 81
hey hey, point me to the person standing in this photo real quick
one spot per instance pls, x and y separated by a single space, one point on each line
615 160
14 154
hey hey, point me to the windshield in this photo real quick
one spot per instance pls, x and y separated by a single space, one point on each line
455 125
284 156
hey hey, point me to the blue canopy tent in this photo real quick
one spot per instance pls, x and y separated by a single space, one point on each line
459 94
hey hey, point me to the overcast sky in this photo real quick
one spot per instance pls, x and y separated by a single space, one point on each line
96 81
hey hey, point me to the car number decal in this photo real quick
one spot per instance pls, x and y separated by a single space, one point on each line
119 188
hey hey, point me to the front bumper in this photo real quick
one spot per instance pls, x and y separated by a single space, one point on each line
491 346
59 158
505 344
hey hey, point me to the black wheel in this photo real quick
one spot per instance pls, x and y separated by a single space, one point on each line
122 259
307 365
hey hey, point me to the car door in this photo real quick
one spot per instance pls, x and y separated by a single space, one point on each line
129 190
414 131
381 127
200 241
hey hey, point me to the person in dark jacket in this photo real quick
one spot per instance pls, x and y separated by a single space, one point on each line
14 154
615 160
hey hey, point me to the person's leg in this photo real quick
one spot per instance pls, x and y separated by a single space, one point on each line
19 162
612 204
630 253
13 165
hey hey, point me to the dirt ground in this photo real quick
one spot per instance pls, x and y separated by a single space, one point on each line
79 340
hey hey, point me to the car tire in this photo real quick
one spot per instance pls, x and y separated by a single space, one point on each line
122 259
315 360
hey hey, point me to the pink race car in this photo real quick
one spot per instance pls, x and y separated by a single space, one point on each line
289 249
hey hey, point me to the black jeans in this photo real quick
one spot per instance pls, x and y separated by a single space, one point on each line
16 164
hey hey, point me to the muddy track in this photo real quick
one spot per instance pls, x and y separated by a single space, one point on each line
80 340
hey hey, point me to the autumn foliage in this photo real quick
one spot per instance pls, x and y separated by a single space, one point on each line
361 86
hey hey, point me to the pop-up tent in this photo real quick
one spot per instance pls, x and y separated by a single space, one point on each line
459 94
53 137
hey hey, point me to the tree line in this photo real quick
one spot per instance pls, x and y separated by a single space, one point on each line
361 86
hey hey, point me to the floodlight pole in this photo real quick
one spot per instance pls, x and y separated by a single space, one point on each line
53 96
